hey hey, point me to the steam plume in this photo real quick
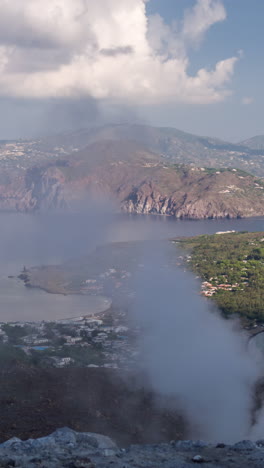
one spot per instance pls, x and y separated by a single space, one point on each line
191 353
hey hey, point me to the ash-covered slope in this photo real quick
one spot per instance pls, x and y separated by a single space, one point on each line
119 405
67 448
139 180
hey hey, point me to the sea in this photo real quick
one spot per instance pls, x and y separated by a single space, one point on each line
28 240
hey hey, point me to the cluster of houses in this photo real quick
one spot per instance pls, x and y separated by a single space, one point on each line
114 342
21 152
111 278
208 289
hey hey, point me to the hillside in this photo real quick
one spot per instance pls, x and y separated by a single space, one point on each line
145 169
231 266
50 398
173 144
138 179
255 143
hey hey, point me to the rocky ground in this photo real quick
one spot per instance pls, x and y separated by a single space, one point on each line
35 402
70 449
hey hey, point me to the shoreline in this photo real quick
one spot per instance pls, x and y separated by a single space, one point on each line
25 277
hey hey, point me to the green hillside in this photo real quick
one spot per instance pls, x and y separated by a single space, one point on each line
231 266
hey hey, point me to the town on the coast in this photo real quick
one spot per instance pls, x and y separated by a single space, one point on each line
101 340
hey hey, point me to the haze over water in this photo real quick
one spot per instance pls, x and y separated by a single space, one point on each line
32 240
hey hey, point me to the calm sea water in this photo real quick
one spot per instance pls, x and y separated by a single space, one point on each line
49 239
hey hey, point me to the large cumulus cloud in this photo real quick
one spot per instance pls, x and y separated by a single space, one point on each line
107 49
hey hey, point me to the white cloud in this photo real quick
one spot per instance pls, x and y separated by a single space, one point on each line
106 49
201 17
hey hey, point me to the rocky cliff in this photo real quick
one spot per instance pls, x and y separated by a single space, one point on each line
67 448
140 182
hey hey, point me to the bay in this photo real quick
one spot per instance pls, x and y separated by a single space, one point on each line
28 240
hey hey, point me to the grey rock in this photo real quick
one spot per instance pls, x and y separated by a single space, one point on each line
190 444
69 449
260 443
7 462
108 452
244 445
64 435
198 459
81 463
11 443
96 440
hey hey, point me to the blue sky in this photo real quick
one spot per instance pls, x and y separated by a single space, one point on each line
242 30
48 83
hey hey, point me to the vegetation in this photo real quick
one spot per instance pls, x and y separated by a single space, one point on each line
16 332
239 172
11 355
233 265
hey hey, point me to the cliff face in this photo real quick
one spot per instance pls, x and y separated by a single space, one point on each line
138 180
37 189
147 200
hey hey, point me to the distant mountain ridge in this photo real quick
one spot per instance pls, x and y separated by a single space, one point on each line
173 144
139 180
170 143
145 169
255 143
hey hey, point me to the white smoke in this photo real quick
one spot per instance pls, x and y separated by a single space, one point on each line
191 353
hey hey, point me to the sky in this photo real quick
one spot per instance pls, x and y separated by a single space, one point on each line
196 65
